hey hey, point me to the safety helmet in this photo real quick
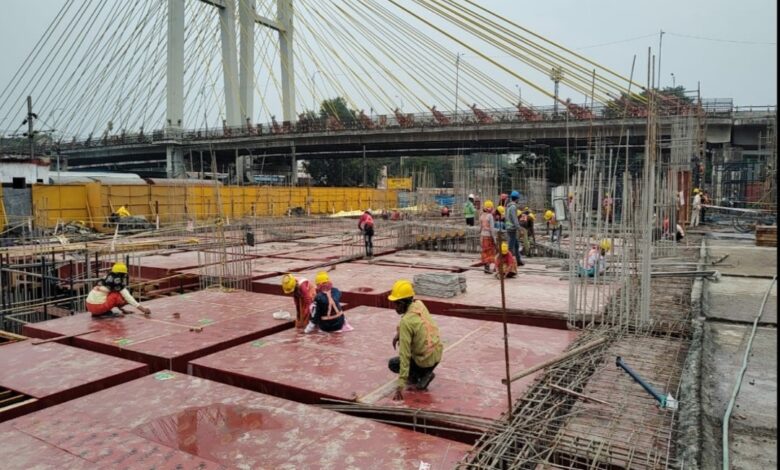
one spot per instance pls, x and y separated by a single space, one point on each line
605 245
119 268
471 196
402 289
321 278
696 191
514 195
532 216
504 248
501 209
526 209
571 195
548 215
488 204
288 283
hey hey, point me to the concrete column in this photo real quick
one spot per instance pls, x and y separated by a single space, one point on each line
240 168
293 166
174 90
227 26
246 18
284 14
174 160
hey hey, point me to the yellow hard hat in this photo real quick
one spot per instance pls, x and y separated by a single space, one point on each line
488 204
321 278
501 210
504 248
288 283
548 215
696 191
119 268
402 289
605 245
532 216
526 209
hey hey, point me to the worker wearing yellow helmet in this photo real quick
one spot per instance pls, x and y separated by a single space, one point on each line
595 260
499 217
303 292
487 235
419 344
695 207
505 262
328 313
111 293
553 224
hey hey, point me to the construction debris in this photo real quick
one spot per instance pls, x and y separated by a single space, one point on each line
439 284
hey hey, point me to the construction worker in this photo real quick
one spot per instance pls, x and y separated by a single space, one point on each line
110 293
505 262
366 226
445 211
513 225
531 222
695 207
554 225
705 200
499 217
595 259
303 292
419 345
328 314
570 208
606 207
469 211
487 235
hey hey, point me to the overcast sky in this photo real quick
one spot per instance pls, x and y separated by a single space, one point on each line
729 46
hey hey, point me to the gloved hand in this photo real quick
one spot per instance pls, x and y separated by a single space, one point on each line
395 341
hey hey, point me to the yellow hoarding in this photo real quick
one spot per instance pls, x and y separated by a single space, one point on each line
399 183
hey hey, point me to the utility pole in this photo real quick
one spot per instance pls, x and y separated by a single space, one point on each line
660 44
30 128
457 76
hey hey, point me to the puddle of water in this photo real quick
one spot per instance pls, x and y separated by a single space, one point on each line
205 430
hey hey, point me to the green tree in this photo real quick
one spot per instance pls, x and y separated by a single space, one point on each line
337 108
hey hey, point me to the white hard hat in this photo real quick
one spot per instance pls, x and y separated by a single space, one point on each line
471 196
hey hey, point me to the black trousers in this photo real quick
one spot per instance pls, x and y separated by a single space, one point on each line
415 371
368 235
470 221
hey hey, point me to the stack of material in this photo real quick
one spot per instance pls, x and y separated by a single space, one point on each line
766 235
439 284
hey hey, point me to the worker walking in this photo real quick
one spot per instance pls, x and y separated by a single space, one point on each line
419 345
505 262
328 315
366 226
110 293
303 292
487 235
695 207
469 211
595 260
513 225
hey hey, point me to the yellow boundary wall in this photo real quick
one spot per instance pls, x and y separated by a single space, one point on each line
94 202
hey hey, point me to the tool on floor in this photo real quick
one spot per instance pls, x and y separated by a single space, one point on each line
666 402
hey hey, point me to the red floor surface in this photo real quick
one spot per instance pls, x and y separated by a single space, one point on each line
353 365
52 373
317 253
263 267
360 283
158 266
169 420
165 342
429 259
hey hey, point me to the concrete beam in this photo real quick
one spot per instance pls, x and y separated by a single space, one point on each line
174 89
285 18
246 16
269 23
215 3
227 26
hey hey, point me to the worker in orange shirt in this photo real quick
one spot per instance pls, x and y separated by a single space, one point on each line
505 262
303 292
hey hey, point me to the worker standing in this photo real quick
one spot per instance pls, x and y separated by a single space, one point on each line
695 207
366 226
445 211
469 211
606 206
110 293
513 225
531 222
505 262
487 235
419 345
705 200
303 292
328 313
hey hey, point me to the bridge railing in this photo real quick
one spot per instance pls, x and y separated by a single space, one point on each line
467 117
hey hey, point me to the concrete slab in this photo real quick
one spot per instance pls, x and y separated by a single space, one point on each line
360 283
51 373
163 341
159 266
753 424
744 259
739 299
353 365
420 258
170 420
261 267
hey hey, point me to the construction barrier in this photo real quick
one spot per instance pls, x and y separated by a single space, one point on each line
93 203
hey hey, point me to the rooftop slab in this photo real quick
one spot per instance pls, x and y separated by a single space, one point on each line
170 420
744 258
162 265
360 283
739 299
353 365
42 375
420 258
164 341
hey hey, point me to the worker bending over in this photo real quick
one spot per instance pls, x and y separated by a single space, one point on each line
505 262
366 226
111 293
595 259
328 314
303 292
554 225
487 235
419 346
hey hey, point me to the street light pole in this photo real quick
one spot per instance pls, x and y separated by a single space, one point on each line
519 94
457 76
674 83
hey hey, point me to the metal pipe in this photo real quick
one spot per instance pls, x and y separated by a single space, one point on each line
659 398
